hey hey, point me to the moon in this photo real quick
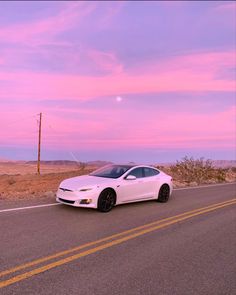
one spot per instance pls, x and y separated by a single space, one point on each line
119 98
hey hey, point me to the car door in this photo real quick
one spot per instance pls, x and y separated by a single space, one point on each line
132 190
151 181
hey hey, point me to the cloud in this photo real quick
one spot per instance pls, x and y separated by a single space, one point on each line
42 31
106 61
75 63
199 63
193 73
84 128
222 18
226 7
110 15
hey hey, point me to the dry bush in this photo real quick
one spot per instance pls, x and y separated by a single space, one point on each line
233 169
197 170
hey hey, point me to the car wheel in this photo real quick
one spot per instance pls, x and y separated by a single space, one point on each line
164 193
106 200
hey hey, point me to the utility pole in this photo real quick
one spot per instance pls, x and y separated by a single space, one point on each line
39 143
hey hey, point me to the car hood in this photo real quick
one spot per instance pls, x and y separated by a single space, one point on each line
85 181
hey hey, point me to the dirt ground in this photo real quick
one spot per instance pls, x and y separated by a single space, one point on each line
15 168
29 186
20 180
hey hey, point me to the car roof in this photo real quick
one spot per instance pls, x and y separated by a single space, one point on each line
126 165
134 165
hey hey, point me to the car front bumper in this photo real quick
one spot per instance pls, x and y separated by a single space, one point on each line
74 199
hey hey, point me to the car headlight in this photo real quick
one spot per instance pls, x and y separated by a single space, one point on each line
86 189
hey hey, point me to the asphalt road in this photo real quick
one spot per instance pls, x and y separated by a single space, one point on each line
192 253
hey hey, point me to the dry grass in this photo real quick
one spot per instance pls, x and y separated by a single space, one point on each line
32 185
13 168
192 172
19 181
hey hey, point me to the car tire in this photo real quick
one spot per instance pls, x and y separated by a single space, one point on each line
164 193
106 200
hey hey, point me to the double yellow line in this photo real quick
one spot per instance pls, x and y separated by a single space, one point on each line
101 244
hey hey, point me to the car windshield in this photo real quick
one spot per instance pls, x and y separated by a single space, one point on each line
111 171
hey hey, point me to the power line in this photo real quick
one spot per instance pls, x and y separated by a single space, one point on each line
68 151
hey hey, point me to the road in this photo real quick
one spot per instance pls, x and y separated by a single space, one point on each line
186 246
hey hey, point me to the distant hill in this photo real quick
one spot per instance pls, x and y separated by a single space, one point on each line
3 160
99 163
72 163
55 162
224 163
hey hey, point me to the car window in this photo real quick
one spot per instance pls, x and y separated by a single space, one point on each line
138 172
111 171
150 172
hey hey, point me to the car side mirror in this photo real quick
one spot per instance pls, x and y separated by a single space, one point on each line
130 177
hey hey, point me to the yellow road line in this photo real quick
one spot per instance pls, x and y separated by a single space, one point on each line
105 246
63 253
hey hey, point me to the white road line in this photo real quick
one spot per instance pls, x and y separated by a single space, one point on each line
203 186
30 207
54 204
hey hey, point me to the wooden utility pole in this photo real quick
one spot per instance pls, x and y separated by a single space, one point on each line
39 143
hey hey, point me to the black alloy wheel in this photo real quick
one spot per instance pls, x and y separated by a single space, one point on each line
164 193
106 200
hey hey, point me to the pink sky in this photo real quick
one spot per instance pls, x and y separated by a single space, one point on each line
71 60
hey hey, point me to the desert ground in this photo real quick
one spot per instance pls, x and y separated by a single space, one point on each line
19 180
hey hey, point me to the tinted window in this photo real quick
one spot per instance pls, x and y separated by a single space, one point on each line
111 171
150 172
138 172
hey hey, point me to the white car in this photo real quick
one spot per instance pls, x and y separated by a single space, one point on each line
114 185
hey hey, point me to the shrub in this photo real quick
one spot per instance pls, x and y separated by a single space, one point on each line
220 175
233 169
195 170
